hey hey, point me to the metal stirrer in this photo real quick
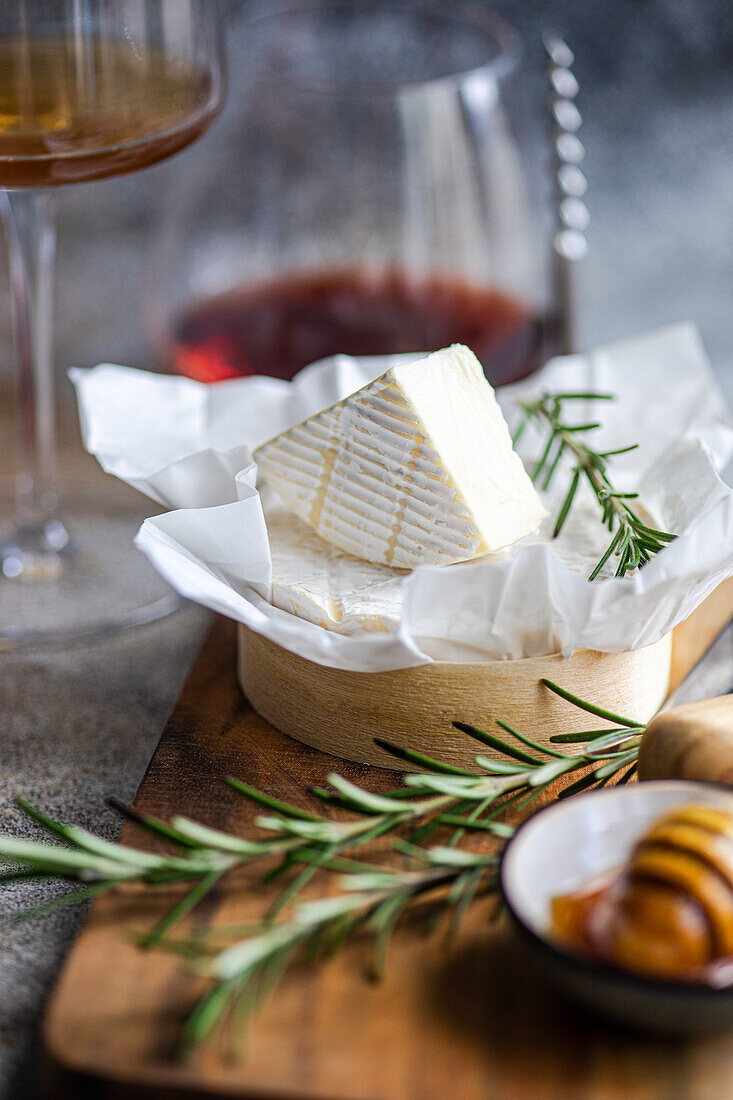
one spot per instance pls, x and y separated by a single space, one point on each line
571 213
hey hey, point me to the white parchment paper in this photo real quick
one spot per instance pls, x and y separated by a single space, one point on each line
188 446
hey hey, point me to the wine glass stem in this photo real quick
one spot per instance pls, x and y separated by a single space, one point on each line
27 216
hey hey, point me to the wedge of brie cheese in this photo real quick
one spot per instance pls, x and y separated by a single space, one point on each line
416 467
318 582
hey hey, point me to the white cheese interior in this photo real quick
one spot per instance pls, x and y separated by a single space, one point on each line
318 582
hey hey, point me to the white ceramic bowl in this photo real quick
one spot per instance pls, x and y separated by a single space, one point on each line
568 844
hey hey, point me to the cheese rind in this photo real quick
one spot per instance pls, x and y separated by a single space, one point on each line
416 467
318 582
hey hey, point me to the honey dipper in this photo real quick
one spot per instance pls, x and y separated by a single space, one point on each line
692 741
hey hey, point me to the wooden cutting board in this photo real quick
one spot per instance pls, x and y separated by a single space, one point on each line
469 1019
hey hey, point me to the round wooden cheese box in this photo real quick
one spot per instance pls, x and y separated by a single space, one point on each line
342 712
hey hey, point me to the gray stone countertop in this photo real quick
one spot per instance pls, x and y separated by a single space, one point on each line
78 724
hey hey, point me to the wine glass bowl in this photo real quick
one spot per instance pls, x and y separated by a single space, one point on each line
73 112
86 92
377 186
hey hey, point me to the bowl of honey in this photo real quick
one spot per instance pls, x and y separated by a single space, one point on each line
625 897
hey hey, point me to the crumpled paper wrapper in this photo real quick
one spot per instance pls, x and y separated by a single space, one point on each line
188 446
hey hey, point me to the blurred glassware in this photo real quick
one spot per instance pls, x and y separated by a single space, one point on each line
88 89
381 182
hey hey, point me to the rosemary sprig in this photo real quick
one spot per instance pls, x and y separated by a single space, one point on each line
202 855
634 542
371 899
245 971
301 845
443 796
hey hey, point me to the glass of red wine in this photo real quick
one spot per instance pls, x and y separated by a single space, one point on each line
87 91
380 183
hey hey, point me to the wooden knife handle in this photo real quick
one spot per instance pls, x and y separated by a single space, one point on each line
694 741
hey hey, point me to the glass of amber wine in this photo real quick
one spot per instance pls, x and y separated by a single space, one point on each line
89 89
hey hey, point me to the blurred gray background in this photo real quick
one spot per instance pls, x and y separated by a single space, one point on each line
657 96
656 82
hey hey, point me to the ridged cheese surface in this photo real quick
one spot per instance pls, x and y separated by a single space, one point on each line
417 467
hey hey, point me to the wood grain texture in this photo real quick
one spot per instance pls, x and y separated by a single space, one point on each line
693 637
342 712
469 1020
